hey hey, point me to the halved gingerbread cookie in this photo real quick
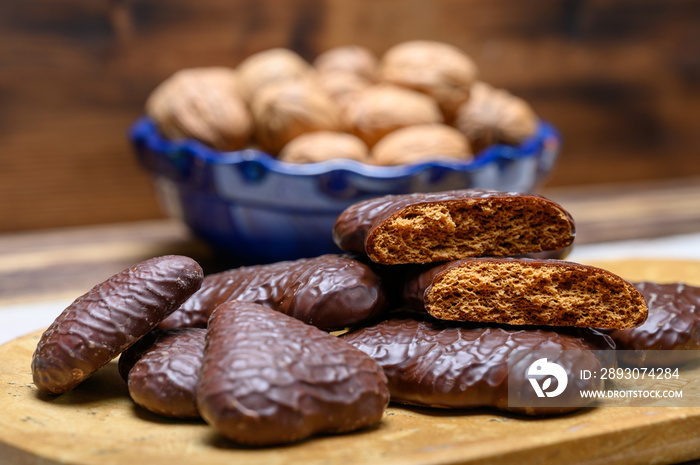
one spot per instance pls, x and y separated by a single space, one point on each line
424 228
526 292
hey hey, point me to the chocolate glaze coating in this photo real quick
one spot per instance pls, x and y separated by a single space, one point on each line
163 370
418 280
439 364
102 323
270 379
673 324
329 292
134 352
355 227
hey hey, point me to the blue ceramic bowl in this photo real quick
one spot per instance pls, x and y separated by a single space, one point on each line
256 209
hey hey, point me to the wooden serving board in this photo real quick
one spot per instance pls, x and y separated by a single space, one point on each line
97 423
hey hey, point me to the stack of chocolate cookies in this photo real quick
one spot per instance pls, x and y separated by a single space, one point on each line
478 294
483 275
434 296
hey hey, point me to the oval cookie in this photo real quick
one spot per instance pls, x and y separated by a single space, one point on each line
102 323
446 365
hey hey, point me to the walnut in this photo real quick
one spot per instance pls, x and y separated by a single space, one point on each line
350 59
342 87
324 145
204 104
269 67
383 108
287 109
493 116
424 142
438 69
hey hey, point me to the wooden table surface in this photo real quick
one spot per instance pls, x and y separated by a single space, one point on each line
98 424
56 264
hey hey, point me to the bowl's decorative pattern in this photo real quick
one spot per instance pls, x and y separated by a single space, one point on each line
258 209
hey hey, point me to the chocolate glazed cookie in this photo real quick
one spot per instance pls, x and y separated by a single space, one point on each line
102 323
440 364
270 379
425 228
673 325
526 292
162 371
329 292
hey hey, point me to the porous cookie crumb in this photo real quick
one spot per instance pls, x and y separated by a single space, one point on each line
534 292
453 229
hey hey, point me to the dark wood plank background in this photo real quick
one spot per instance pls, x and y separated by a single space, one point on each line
620 78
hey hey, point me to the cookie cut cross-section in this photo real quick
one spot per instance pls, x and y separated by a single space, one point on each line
442 226
526 292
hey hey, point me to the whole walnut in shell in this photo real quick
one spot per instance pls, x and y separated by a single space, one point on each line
288 109
324 145
438 69
269 67
495 116
423 142
350 59
342 87
204 104
383 108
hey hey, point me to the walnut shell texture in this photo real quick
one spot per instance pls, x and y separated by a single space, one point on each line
204 104
495 116
384 108
421 142
288 109
270 66
342 87
324 145
350 59
441 70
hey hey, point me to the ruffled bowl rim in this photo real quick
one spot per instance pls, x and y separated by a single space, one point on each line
144 131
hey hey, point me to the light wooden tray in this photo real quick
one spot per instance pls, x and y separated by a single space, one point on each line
98 424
